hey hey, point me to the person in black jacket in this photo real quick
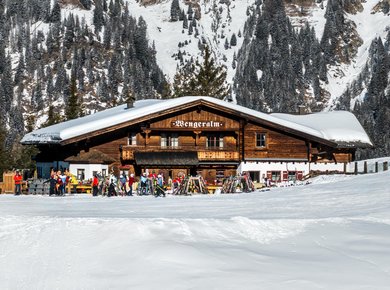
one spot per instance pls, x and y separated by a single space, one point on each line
111 189
53 182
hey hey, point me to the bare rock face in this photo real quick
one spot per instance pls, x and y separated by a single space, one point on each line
353 6
149 2
299 8
382 6
74 3
349 43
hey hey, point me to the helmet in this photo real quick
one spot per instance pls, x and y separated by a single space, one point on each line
144 174
159 176
132 175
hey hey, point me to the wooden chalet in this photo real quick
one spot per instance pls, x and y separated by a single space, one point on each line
201 136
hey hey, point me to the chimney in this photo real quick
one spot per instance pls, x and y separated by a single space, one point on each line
130 101
301 110
130 104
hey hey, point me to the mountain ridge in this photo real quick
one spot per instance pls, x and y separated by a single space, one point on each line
111 49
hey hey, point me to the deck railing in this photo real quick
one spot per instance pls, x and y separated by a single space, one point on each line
204 154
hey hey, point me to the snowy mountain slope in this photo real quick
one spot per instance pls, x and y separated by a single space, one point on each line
167 35
218 21
38 77
369 25
331 234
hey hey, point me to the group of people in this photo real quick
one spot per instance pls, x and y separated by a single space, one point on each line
147 184
112 186
58 182
152 184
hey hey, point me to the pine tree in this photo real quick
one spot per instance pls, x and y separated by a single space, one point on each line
226 45
4 154
52 117
98 18
202 79
69 32
175 10
190 12
7 85
2 54
19 75
211 78
233 40
56 13
86 3
185 22
73 106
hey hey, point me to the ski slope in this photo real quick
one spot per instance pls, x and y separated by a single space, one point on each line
331 234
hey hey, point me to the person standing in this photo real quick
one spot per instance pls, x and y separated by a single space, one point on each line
123 180
159 186
58 190
53 183
63 183
95 184
131 181
18 183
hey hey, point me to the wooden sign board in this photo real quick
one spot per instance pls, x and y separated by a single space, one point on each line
197 124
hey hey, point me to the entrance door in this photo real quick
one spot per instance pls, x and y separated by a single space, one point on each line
193 171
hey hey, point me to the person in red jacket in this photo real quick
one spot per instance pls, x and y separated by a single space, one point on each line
95 185
131 181
18 183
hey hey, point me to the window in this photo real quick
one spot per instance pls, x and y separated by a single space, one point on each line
292 176
214 141
132 139
80 174
261 140
275 176
169 140
255 176
104 172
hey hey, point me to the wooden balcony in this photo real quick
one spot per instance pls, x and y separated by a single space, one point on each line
204 154
218 155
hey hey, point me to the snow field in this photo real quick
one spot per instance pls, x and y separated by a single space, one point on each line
331 234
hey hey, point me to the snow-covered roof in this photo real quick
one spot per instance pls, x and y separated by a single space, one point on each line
342 127
339 127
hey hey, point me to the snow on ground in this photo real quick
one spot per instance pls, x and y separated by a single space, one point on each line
331 234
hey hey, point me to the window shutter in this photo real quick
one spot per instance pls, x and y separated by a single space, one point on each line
299 175
285 176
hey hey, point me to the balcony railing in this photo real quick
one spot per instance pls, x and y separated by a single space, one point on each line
229 153
218 155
